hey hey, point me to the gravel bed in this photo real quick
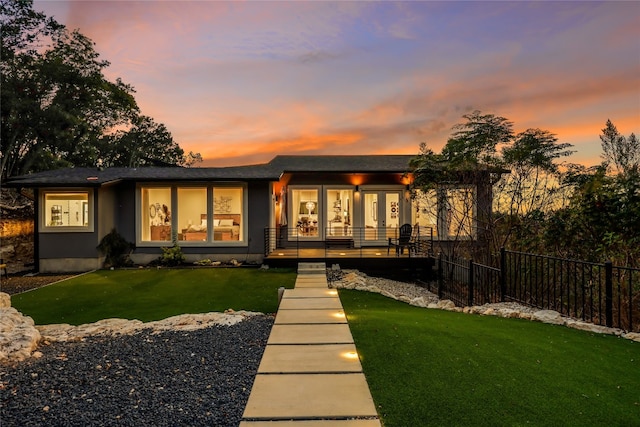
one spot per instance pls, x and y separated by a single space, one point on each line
196 378
18 283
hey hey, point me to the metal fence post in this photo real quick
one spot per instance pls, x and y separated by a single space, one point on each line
470 296
503 274
608 285
440 276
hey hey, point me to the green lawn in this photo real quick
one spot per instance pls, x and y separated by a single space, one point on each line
437 368
153 294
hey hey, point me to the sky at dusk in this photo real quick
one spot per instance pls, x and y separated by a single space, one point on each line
241 82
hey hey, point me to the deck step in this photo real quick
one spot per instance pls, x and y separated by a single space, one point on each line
312 268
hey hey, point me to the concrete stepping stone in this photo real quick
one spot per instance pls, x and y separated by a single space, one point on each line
298 359
308 396
310 334
310 293
312 268
310 303
312 423
310 284
310 316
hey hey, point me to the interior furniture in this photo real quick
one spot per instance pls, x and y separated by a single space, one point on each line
160 232
225 227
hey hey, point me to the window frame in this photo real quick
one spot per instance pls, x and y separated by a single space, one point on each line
210 187
44 228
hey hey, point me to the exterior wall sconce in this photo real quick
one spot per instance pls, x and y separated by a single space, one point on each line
357 188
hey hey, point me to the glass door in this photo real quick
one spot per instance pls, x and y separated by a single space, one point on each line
381 216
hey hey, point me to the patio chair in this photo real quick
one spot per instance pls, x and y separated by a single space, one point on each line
404 240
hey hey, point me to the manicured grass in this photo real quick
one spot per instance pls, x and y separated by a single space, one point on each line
438 368
152 294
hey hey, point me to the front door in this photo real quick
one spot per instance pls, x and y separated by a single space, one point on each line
381 216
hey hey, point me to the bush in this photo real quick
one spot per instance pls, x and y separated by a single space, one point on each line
116 250
172 256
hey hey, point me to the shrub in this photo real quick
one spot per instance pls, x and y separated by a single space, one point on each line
172 256
116 250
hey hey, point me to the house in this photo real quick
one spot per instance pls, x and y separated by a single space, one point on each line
243 212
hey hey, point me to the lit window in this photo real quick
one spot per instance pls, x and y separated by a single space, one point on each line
192 214
305 212
67 211
339 212
227 214
448 212
425 212
156 214
459 212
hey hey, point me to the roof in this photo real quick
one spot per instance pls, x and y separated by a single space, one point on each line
271 171
343 164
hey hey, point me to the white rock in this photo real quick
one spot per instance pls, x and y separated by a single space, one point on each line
404 299
508 313
5 300
114 327
590 327
525 316
387 294
489 312
18 336
418 302
548 316
633 336
446 304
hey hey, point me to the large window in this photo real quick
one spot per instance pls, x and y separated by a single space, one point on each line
425 212
459 213
339 212
448 212
202 214
67 211
227 214
192 214
305 211
156 214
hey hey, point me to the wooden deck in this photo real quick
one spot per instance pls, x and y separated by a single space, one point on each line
366 257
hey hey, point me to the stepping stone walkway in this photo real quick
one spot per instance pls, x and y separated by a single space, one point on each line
310 374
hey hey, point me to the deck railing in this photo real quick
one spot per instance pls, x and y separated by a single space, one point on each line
332 239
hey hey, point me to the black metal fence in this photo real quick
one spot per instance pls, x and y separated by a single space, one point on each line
602 294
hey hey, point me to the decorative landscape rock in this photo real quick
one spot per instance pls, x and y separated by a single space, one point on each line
548 316
5 300
117 327
18 336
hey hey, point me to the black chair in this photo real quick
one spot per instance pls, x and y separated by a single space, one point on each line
404 240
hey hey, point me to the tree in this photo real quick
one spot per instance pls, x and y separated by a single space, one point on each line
58 109
618 152
531 189
476 140
521 178
602 221
146 143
